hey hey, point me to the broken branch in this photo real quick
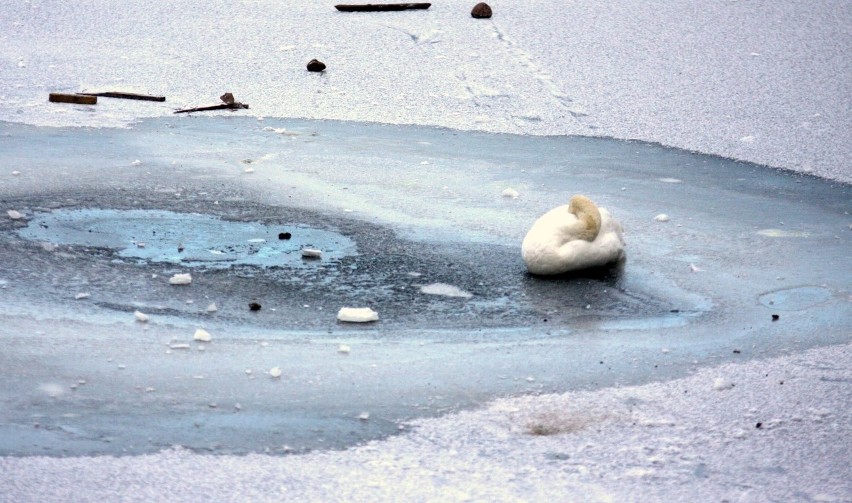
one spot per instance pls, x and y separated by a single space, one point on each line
73 98
223 106
127 96
381 7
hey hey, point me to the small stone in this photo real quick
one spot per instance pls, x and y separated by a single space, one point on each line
284 235
481 11
316 65
254 306
227 98
776 317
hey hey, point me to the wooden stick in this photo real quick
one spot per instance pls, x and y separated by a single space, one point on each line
223 106
127 96
381 7
73 98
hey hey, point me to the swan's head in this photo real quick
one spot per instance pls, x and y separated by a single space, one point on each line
588 215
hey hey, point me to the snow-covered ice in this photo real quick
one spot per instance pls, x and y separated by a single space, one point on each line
762 81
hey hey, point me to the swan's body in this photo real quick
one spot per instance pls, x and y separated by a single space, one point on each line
571 237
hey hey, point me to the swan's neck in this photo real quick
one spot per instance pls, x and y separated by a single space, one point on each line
588 216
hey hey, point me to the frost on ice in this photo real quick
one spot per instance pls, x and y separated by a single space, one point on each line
357 314
180 279
201 335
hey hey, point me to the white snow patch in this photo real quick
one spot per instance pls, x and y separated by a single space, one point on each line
720 384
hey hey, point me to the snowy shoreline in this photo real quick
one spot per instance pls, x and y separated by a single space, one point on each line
764 430
764 82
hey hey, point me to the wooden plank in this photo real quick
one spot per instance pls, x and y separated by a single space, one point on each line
79 99
127 96
381 7
223 106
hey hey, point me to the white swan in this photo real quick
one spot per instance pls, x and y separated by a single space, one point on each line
575 236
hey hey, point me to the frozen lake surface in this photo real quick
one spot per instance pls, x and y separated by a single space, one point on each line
396 211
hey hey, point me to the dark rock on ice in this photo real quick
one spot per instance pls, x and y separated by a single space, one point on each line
316 65
481 11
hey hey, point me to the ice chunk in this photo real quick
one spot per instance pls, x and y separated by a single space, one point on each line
662 217
201 335
510 192
140 316
364 416
275 372
357 314
344 349
180 279
311 253
445 290
14 215
137 162
82 295
179 346
211 308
